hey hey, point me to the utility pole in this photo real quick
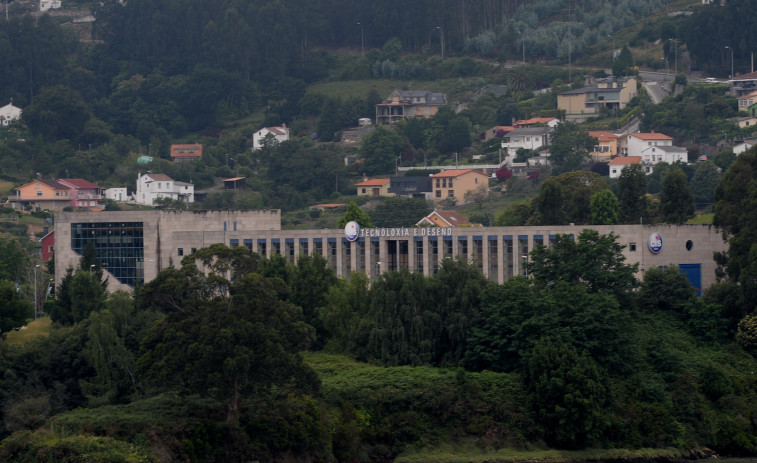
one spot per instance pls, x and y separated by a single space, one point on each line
362 41
441 40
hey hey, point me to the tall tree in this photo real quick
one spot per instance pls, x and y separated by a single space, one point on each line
380 150
676 200
549 203
14 311
356 214
632 187
570 146
604 208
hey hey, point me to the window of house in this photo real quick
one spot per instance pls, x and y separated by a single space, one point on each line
450 193
615 171
475 180
438 193
180 251
438 183
632 247
528 138
363 190
450 183
39 193
37 186
194 250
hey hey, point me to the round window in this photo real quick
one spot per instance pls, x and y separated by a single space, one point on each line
689 245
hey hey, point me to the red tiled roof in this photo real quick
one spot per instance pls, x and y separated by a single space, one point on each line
373 182
535 120
80 183
750 76
650 136
52 183
455 173
603 135
193 150
626 160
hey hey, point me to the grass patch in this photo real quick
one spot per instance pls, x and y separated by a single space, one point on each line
37 328
703 219
6 187
451 453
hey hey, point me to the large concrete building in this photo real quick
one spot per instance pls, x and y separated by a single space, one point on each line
133 246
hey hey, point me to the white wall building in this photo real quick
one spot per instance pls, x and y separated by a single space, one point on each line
531 138
280 134
635 143
45 5
116 194
153 186
652 155
9 114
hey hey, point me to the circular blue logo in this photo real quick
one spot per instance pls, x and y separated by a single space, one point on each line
655 243
352 230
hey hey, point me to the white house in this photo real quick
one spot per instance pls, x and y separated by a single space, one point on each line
153 186
9 114
45 5
618 164
280 133
652 155
531 138
744 145
116 194
635 143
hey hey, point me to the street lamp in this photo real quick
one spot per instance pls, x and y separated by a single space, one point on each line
731 60
35 291
441 40
362 42
525 262
91 268
612 55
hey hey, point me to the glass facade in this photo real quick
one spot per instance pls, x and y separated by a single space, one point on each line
119 246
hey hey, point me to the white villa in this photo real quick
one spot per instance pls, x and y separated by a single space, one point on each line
279 133
9 114
153 186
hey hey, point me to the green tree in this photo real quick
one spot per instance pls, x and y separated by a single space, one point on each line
676 200
605 209
568 394
235 346
355 213
593 260
747 334
704 183
570 147
380 150
632 187
578 187
549 204
623 63
14 311
57 113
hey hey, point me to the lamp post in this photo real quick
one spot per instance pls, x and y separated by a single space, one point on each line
362 41
675 53
523 43
731 60
35 291
612 54
91 268
524 257
441 40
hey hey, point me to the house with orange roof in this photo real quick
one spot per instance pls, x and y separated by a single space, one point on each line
41 194
744 84
634 143
455 183
186 153
374 187
444 218
618 164
745 101
606 147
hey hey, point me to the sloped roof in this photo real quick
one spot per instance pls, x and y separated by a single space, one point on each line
52 183
159 177
456 173
81 183
373 182
626 160
535 120
453 218
750 76
650 136
603 135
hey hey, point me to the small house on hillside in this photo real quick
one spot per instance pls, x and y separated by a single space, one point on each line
455 183
276 134
154 186
618 164
374 187
9 114
186 153
409 104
